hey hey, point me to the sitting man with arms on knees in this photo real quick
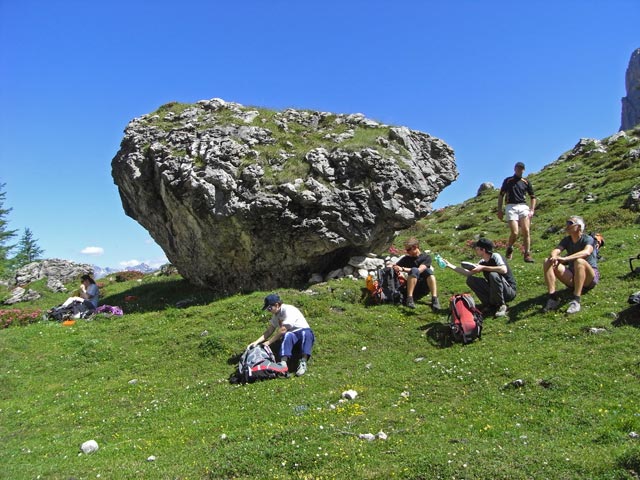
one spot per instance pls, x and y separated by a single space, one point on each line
577 270
420 279
498 285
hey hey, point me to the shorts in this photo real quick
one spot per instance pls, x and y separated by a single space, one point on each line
594 282
516 211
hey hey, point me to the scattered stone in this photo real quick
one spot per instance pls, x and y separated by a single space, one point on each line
349 394
151 458
89 446
204 333
633 435
518 383
133 381
19 294
596 330
381 435
369 437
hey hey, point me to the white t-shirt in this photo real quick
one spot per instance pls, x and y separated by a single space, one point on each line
291 318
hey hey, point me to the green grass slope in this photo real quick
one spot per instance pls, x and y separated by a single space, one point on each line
152 386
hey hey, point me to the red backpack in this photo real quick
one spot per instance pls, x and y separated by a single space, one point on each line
465 320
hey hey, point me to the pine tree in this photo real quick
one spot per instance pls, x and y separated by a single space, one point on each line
5 235
28 250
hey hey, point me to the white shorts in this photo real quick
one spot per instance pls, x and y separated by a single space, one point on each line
516 211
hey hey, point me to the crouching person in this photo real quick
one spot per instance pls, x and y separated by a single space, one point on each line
577 270
497 286
288 325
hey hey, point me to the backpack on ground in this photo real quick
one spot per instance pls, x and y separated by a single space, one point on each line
387 287
258 363
465 320
598 241
73 310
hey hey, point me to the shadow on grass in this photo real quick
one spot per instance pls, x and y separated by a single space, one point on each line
534 306
438 334
152 297
629 316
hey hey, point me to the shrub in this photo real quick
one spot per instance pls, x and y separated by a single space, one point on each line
15 316
129 275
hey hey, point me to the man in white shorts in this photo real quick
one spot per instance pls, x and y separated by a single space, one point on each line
515 189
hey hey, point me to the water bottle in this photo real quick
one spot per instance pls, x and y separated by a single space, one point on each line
440 261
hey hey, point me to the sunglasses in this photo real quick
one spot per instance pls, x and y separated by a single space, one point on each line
271 307
570 223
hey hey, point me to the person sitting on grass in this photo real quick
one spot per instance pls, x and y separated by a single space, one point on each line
577 270
498 285
420 278
89 294
287 323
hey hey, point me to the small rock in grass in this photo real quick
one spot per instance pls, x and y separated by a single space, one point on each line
89 446
151 458
382 436
633 435
369 437
349 394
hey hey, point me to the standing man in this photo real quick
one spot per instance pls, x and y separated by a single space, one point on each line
518 212
288 323
420 277
578 269
498 285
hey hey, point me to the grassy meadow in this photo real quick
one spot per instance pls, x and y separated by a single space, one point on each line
540 396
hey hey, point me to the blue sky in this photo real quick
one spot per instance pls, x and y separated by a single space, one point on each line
499 81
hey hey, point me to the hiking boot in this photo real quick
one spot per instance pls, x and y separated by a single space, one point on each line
302 368
410 303
502 311
574 306
435 304
509 253
527 258
551 305
283 365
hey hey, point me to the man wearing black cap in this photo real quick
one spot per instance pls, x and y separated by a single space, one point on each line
498 285
288 323
519 214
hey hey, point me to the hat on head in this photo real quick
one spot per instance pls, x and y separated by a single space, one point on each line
484 243
519 165
271 299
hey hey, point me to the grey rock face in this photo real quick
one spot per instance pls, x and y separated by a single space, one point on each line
55 270
631 103
246 198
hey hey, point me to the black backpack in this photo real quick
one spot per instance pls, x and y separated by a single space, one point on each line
76 309
387 287
258 363
465 320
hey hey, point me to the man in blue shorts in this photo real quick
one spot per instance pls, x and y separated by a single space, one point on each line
577 270
519 214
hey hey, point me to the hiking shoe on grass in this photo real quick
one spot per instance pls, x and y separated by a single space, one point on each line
502 311
528 258
509 253
551 305
302 368
574 307
435 304
410 302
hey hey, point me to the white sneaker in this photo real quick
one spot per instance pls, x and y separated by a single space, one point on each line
574 306
551 305
302 368
502 311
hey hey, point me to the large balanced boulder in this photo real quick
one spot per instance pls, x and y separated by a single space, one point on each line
244 198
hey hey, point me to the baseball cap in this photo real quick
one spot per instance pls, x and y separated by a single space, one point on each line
271 299
484 243
520 165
